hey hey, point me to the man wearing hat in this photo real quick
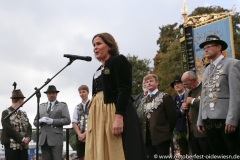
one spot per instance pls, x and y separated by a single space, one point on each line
53 116
180 130
17 131
219 111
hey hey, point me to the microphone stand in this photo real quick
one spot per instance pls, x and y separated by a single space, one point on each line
38 94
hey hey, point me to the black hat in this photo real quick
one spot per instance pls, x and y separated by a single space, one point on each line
51 88
177 78
17 94
214 39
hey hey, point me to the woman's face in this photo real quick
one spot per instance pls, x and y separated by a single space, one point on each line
100 49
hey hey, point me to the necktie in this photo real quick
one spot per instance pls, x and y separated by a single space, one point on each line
211 67
181 97
150 95
49 107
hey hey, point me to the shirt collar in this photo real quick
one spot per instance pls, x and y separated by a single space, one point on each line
85 102
218 60
51 102
181 94
153 92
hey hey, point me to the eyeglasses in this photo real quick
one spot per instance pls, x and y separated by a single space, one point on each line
186 84
208 46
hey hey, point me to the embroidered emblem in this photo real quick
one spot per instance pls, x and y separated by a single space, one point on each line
106 71
211 86
82 118
149 107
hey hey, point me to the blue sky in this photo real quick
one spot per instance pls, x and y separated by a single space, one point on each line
36 34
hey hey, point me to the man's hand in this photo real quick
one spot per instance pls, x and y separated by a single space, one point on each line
189 100
200 129
117 125
49 121
26 140
43 120
229 128
82 137
184 105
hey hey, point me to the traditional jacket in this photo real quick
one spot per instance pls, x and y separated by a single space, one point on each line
193 111
181 121
82 116
161 114
53 133
15 128
117 82
220 92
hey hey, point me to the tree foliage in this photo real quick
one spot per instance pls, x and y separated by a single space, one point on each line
140 67
168 64
207 10
168 34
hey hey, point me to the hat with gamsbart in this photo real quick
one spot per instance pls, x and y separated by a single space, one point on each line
17 94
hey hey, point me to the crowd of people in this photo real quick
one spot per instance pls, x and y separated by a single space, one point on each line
202 119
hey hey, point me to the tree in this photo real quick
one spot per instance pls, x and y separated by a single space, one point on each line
140 67
167 62
168 34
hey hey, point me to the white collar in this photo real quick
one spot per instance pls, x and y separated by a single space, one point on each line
85 102
181 93
153 92
218 60
51 102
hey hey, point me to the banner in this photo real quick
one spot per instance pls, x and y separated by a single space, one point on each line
183 48
223 29
189 46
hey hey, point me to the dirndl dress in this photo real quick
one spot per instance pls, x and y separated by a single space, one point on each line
101 144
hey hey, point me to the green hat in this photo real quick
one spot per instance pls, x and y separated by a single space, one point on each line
51 88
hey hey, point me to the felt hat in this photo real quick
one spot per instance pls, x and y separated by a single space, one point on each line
51 88
177 78
214 39
17 94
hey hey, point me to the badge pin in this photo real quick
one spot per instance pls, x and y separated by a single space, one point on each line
219 66
211 106
210 95
148 115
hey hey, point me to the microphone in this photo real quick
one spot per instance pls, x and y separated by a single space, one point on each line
74 57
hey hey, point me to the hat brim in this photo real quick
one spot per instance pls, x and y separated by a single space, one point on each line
16 97
222 43
51 91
